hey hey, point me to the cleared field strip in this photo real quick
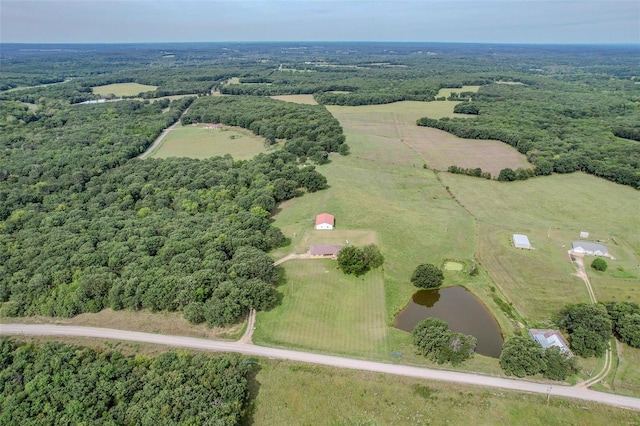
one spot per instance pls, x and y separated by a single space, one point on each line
447 91
122 89
203 142
384 128
297 99
325 310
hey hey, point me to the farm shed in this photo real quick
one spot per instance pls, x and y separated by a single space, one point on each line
521 241
324 221
324 250
590 249
548 338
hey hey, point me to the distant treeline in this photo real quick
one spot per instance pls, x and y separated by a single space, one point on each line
579 131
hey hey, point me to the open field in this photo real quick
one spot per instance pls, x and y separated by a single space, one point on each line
447 91
289 393
202 142
627 375
297 99
388 134
327 311
122 89
144 320
552 211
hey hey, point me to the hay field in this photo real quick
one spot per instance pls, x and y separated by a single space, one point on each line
202 142
122 89
297 99
325 310
447 91
288 393
552 211
388 134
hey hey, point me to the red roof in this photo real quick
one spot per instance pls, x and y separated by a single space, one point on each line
324 250
325 218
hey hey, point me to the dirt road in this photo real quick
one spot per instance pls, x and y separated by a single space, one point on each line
159 139
333 361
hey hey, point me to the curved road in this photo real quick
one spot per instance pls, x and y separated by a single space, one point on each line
333 361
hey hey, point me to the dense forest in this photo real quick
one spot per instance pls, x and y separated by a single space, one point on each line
85 225
55 383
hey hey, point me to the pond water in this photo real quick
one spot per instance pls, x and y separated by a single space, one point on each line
460 309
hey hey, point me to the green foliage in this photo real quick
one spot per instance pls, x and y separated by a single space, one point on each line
466 108
559 364
521 357
476 172
57 383
434 340
427 275
310 130
626 321
599 264
589 327
507 175
356 261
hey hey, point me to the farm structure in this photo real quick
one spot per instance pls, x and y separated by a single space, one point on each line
324 250
521 241
325 221
549 338
590 249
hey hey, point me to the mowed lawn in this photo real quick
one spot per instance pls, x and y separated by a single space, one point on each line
122 89
202 142
324 310
552 211
288 393
387 133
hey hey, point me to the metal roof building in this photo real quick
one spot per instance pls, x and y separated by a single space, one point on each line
521 241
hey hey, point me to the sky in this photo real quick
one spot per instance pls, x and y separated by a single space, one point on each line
478 21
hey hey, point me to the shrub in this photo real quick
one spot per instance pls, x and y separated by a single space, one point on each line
427 275
599 264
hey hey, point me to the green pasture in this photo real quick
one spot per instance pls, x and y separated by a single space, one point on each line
288 393
122 89
552 211
388 134
201 142
447 91
324 310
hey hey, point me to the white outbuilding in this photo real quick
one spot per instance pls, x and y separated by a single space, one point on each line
325 221
521 241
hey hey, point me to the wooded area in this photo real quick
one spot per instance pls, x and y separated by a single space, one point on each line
56 383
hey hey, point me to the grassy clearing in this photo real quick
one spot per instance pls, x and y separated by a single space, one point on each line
122 89
200 142
627 376
298 394
388 134
144 320
552 211
327 311
447 91
298 99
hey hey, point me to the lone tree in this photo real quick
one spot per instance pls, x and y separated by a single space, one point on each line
599 264
427 275
356 261
521 357
434 340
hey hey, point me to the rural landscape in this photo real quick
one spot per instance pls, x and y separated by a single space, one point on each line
319 233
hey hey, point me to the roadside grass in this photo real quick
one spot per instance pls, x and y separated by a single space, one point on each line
389 134
447 91
298 99
627 376
172 323
290 393
122 89
325 310
200 142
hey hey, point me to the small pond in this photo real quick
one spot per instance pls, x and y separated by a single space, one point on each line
460 309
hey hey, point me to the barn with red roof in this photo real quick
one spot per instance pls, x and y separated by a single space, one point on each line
325 221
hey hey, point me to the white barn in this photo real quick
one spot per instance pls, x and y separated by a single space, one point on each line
325 221
521 241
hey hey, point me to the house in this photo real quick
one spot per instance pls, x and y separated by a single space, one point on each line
325 221
590 249
548 338
521 241
324 250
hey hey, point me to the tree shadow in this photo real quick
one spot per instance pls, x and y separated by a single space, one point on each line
253 389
